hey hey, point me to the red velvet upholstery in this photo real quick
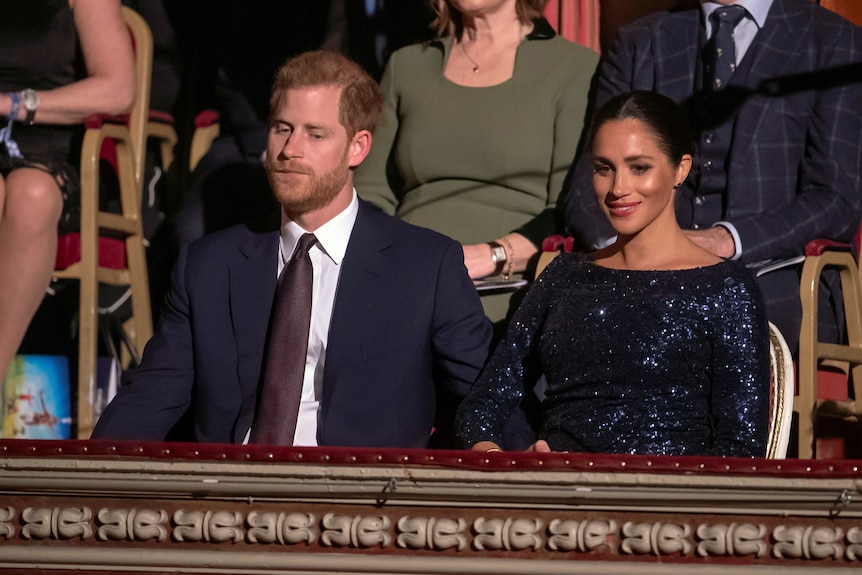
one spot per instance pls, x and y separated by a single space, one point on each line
112 252
817 247
558 243
504 461
206 118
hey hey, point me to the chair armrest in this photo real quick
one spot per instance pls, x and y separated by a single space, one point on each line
207 129
160 117
206 118
818 246
96 121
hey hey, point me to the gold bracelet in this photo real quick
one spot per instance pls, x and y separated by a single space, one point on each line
510 258
494 450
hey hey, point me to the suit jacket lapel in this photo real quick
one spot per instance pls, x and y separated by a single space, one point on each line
252 289
363 267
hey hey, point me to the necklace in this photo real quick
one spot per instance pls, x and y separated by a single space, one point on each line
464 51
492 55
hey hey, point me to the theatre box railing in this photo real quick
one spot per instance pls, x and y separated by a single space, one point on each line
184 508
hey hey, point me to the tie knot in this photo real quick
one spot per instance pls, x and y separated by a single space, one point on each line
306 241
728 15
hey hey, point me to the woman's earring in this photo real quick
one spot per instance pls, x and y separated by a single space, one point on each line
677 186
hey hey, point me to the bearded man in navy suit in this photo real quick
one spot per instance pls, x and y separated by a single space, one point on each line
395 318
780 144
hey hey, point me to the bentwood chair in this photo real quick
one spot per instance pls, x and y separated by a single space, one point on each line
782 387
110 247
814 355
823 363
207 129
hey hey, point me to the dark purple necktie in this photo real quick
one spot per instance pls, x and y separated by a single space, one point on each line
723 64
278 405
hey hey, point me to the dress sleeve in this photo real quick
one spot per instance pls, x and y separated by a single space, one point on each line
740 385
376 178
571 110
513 368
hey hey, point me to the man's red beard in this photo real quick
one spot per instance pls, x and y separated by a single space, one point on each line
305 193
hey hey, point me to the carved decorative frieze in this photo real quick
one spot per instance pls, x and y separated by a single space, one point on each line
580 536
132 525
56 523
357 531
7 529
800 542
508 534
284 528
738 540
814 542
656 538
854 544
431 533
210 526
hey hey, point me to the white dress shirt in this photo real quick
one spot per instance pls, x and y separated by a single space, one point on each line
326 258
747 28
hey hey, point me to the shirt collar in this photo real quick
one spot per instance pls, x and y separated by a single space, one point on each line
757 9
332 237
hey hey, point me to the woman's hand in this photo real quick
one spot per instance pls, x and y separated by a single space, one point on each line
519 253
540 446
477 258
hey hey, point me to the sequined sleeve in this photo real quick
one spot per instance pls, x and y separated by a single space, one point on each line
740 367
512 369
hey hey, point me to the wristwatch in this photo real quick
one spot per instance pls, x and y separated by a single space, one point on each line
30 100
498 256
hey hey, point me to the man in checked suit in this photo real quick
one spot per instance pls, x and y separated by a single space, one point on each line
780 145
395 317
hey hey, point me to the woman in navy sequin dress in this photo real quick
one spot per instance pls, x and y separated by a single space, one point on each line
652 345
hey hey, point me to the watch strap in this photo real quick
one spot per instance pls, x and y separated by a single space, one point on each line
31 104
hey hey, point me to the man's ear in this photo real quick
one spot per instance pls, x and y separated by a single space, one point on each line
360 146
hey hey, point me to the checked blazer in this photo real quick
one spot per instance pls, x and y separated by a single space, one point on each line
796 154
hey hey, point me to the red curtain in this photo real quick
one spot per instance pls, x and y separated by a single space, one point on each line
577 20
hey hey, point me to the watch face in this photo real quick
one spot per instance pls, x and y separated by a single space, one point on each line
498 254
29 99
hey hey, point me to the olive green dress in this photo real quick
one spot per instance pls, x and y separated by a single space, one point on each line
478 163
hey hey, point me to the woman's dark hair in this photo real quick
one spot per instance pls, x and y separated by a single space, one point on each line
661 115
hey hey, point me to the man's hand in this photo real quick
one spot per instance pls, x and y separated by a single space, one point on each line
716 240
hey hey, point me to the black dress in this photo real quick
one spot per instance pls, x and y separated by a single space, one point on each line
651 362
39 50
